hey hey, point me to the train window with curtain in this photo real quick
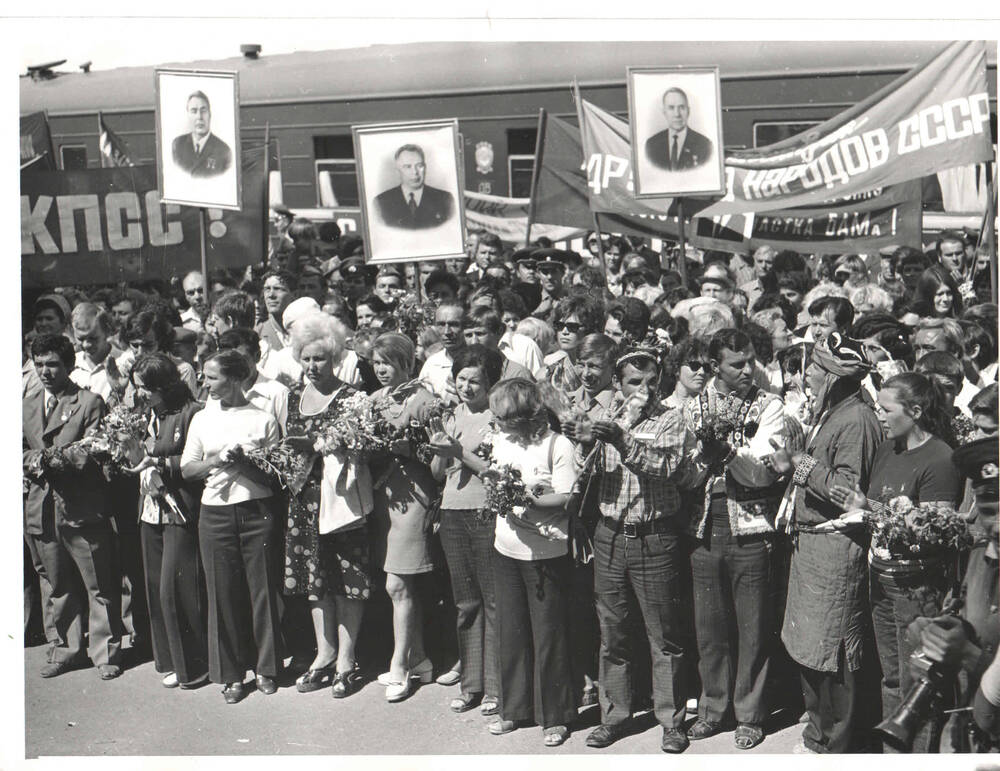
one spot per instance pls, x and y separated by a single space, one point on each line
73 157
520 160
336 171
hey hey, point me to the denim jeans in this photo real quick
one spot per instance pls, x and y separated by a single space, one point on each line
734 624
902 590
649 568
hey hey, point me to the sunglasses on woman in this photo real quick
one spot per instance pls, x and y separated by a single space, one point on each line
570 326
694 366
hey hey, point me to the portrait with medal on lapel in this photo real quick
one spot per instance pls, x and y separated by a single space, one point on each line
676 125
197 135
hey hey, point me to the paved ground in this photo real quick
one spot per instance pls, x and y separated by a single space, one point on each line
78 714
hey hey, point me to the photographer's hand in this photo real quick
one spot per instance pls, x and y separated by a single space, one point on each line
945 642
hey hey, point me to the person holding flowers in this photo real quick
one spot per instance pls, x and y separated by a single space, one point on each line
827 620
405 493
907 580
168 515
532 566
466 535
326 538
237 527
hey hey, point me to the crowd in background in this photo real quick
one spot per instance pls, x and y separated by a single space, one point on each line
695 441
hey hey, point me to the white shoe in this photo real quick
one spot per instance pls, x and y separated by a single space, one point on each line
398 691
451 677
424 671
170 680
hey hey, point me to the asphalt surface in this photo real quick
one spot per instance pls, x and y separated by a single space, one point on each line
79 714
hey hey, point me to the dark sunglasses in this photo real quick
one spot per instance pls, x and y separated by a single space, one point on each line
570 326
694 366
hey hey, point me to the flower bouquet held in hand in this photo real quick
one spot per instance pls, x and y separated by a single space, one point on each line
411 316
116 445
289 466
904 529
506 493
357 428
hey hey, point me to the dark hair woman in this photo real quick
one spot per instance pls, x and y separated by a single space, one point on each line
467 539
168 513
936 294
237 526
913 461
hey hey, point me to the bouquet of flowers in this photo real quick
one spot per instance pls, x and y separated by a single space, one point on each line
905 529
411 315
287 465
358 427
504 491
964 428
116 445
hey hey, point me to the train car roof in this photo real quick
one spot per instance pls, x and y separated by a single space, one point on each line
387 71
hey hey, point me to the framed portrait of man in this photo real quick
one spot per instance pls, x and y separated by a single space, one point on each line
675 117
410 182
198 138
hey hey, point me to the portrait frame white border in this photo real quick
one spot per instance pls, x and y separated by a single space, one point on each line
359 130
630 73
231 75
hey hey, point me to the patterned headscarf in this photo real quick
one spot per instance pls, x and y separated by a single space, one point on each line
839 357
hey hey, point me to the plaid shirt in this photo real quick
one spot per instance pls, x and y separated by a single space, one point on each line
659 457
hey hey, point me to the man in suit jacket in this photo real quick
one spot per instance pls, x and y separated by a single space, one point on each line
201 153
679 147
65 514
413 205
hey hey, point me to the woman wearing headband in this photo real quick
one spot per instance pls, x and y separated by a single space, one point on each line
826 616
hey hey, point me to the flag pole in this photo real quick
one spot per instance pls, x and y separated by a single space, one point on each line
682 262
583 139
100 131
203 222
536 169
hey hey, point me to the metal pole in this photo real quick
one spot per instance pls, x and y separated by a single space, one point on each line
600 245
203 222
682 262
536 169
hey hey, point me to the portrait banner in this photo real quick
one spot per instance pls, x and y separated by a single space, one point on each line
934 117
198 138
410 181
100 226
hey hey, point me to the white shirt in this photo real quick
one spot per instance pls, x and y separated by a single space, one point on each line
93 375
522 350
436 373
280 363
969 390
681 136
191 320
347 368
523 541
266 395
210 431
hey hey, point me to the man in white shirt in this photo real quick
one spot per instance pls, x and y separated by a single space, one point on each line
436 372
193 317
484 326
92 327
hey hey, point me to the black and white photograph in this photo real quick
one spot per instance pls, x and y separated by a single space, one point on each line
197 130
387 429
675 120
408 176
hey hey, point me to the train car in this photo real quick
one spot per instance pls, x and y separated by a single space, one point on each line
308 101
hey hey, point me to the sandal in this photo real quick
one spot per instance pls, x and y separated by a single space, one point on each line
748 736
314 679
702 729
465 701
555 735
346 683
490 706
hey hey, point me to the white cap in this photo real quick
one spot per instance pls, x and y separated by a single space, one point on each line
297 309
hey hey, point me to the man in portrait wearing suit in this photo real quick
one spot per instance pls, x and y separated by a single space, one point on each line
66 511
679 147
413 205
201 153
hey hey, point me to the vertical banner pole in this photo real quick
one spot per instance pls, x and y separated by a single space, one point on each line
536 169
682 262
203 222
600 245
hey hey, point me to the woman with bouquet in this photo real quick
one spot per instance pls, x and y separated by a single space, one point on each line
326 541
168 513
532 568
907 582
466 536
237 527
405 492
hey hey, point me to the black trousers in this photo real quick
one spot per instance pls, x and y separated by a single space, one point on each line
733 624
128 559
835 703
536 675
651 569
239 551
175 592
469 552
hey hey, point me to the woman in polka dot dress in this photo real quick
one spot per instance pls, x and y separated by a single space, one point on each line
330 570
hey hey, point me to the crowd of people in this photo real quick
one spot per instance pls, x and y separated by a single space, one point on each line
700 451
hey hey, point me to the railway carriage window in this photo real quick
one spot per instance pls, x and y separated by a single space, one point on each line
520 159
74 157
336 171
768 132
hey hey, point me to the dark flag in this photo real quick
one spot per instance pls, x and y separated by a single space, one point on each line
36 143
113 150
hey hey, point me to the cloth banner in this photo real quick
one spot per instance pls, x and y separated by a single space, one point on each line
864 222
508 218
934 117
103 226
36 143
113 149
